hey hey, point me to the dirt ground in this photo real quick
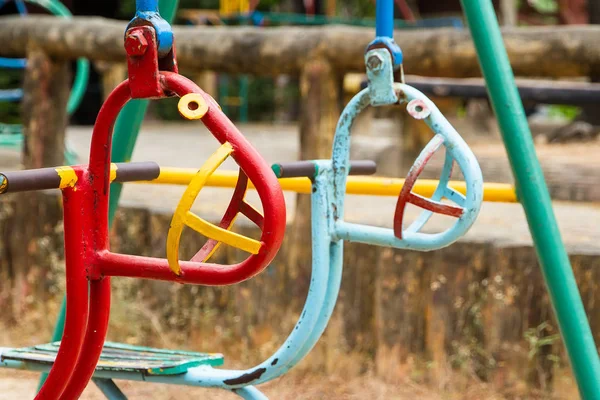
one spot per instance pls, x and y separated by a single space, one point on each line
301 383
22 385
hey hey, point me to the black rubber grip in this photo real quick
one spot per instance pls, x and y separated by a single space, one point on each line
137 171
48 178
30 179
307 169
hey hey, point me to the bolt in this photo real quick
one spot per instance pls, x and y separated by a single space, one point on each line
375 62
136 44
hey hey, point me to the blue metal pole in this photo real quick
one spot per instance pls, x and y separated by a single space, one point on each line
384 15
146 5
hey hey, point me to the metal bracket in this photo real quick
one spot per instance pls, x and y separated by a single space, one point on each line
147 14
380 73
144 64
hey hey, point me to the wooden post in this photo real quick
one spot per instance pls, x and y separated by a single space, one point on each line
318 118
33 240
509 12
331 8
320 91
112 75
587 123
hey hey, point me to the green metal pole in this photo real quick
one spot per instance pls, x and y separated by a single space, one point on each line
534 196
125 135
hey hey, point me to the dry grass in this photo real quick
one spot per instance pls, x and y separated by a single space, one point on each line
22 385
341 382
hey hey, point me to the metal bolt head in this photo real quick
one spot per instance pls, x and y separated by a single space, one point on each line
375 62
136 44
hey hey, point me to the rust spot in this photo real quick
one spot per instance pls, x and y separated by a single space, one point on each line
246 378
401 96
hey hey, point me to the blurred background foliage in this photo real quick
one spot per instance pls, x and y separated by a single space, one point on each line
262 91
10 111
541 6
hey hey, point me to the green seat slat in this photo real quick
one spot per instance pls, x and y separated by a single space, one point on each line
123 357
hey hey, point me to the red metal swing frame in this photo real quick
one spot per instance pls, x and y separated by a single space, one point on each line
89 262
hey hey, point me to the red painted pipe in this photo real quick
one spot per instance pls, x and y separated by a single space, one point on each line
86 239
94 339
79 250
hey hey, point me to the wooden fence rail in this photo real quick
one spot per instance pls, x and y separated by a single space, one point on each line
534 51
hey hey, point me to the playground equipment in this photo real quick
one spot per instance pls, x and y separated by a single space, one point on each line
11 135
153 74
329 183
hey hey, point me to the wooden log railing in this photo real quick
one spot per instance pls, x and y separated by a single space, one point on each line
568 51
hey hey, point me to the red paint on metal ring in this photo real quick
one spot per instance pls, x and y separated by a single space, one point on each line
435 206
406 196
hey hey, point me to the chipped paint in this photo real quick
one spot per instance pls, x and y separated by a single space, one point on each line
113 171
418 109
68 177
246 378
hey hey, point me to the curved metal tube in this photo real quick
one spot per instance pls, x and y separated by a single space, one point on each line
456 149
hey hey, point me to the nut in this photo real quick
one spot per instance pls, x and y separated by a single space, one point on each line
136 44
375 62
